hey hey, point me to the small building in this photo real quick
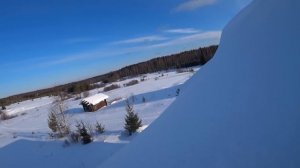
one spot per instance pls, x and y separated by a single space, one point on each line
95 102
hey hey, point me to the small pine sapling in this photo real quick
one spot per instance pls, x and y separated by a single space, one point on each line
53 122
132 120
57 120
84 134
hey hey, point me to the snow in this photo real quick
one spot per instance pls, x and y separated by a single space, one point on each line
95 99
25 142
28 105
241 109
25 153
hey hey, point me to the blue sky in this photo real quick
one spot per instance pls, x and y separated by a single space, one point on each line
51 42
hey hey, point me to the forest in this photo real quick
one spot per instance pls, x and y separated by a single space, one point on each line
195 57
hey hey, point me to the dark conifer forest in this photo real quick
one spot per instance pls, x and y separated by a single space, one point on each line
195 57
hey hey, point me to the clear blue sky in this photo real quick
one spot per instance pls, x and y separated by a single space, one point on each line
51 42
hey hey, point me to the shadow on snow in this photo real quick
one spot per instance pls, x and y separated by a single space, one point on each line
49 154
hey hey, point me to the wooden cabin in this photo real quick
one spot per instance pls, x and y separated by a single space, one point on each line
94 103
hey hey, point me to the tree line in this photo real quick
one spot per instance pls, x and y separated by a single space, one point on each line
181 60
184 59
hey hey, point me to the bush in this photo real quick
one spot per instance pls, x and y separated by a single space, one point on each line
74 137
143 78
133 82
5 116
111 87
99 128
132 120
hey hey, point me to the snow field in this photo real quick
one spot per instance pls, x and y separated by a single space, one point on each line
28 132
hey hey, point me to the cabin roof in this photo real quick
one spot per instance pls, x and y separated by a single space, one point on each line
95 99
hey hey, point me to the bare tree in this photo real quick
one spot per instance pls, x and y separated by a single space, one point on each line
58 122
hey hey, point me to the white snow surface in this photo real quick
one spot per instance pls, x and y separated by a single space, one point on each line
24 140
95 99
242 109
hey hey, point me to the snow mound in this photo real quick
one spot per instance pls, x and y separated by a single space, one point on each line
242 109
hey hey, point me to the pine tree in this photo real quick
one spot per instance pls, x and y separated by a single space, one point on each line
132 120
52 122
84 134
57 120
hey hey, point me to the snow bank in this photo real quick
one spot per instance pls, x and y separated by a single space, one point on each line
242 109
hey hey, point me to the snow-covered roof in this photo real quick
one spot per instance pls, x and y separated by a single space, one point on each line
95 99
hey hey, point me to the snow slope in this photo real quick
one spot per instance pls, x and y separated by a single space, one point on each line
241 109
50 154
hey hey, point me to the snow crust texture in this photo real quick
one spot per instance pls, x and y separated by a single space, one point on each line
242 109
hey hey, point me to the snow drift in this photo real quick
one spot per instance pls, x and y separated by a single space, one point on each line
242 109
